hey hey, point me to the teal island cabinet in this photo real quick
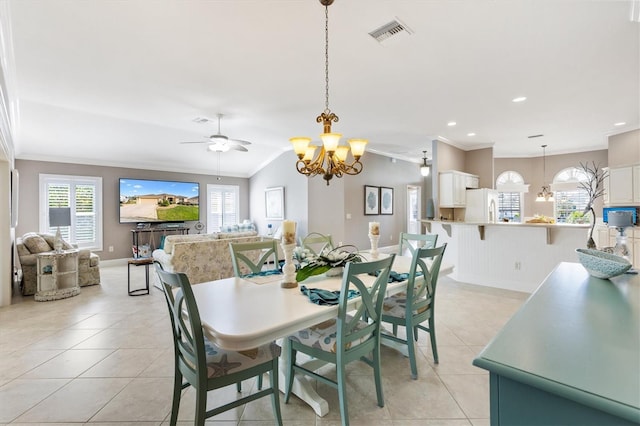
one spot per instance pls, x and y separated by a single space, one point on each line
570 355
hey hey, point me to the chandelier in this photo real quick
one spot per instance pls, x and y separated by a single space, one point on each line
545 194
332 159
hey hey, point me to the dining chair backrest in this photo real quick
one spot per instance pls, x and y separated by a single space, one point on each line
185 322
316 242
349 326
423 280
252 257
406 241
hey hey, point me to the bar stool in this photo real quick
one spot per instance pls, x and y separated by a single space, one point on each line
143 261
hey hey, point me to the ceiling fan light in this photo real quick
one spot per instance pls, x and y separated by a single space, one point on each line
218 147
357 146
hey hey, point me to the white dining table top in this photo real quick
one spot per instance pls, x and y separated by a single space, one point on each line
243 313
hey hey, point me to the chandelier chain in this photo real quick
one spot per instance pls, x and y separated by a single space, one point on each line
326 59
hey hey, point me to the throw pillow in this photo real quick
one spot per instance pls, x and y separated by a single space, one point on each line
35 243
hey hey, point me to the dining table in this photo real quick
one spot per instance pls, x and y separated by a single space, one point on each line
241 313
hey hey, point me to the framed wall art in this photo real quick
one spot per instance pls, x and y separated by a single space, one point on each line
371 200
274 203
386 200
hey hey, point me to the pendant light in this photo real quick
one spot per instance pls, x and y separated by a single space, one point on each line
424 169
545 194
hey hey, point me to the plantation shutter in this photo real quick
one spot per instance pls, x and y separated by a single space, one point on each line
82 195
223 206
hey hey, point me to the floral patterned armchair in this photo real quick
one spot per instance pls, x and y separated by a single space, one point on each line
33 243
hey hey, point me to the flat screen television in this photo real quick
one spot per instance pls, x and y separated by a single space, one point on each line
158 201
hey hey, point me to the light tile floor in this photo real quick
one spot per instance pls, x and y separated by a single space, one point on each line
104 358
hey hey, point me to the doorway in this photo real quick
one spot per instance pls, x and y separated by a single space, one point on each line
414 209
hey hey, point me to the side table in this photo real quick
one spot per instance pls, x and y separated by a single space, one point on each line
142 261
57 275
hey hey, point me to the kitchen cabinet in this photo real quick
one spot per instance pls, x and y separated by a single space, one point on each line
453 186
570 314
621 189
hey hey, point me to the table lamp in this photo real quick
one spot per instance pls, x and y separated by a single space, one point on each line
59 216
621 220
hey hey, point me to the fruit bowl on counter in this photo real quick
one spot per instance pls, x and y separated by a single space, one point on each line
600 264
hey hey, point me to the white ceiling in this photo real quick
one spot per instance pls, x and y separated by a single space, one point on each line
119 83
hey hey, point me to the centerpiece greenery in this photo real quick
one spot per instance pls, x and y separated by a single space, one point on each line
315 264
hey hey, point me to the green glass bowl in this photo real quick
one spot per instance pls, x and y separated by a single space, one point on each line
600 264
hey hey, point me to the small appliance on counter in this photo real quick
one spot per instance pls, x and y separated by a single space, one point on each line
482 206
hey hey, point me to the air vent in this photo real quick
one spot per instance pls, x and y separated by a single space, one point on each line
535 136
392 31
201 120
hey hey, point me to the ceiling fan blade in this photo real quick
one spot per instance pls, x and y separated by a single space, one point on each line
195 142
239 141
238 148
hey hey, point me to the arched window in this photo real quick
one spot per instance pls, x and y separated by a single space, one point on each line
510 186
570 199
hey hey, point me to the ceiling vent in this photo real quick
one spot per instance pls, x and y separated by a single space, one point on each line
535 136
391 32
201 120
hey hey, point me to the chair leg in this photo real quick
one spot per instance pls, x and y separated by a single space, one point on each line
239 386
201 407
342 393
260 382
177 391
432 335
377 374
290 373
411 348
275 396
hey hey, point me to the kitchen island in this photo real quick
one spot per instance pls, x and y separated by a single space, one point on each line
513 256
570 355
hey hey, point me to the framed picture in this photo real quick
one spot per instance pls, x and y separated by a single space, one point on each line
386 200
274 203
371 200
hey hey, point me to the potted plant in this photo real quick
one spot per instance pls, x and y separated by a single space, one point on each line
594 186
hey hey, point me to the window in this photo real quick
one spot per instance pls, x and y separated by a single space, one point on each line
224 206
83 194
510 187
570 199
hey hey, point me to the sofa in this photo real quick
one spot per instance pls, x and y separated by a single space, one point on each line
202 257
32 243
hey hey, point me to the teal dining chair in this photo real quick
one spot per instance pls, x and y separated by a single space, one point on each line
412 241
316 242
353 335
417 304
205 366
254 257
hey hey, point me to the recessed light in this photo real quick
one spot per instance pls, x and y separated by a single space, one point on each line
451 123
622 123
519 99
471 134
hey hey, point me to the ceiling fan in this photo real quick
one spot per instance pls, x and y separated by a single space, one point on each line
222 143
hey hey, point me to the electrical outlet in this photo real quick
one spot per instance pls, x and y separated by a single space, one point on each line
110 249
518 266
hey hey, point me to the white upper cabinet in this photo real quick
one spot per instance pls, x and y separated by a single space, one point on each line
623 185
453 187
